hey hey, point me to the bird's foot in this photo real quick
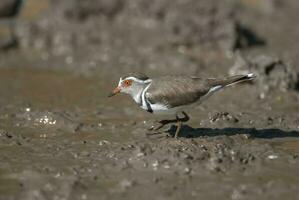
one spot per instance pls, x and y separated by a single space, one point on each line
160 124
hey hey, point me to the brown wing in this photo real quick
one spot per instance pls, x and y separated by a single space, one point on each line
175 91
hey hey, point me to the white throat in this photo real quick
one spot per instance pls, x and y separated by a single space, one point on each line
139 95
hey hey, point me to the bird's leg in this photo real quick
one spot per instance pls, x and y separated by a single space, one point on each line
179 126
179 123
178 120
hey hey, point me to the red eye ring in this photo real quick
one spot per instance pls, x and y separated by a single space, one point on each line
127 83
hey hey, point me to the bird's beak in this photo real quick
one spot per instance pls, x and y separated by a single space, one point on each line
115 91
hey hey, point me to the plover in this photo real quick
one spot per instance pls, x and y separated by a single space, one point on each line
170 95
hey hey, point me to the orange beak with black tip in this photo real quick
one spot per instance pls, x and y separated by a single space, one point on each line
115 91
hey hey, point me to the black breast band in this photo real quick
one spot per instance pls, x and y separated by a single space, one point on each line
148 105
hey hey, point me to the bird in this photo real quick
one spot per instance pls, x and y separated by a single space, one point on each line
172 94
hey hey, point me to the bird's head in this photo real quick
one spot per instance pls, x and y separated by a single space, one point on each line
131 84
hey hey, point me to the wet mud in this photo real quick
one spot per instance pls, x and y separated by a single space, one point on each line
62 138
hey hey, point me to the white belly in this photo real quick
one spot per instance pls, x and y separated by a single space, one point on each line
163 110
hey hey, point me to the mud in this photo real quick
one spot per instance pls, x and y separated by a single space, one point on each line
272 73
62 138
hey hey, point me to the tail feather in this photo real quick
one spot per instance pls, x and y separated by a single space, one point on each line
231 80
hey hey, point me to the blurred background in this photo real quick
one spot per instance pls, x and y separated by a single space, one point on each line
61 138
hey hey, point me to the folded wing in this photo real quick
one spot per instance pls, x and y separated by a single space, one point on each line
174 91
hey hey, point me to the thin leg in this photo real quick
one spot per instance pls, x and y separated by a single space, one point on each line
178 128
179 123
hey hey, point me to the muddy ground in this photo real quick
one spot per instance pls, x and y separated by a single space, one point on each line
62 138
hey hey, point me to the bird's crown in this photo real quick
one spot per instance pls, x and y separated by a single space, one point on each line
136 75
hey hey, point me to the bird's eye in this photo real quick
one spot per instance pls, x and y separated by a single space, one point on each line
127 82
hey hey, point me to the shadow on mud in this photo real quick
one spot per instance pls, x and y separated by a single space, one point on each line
189 132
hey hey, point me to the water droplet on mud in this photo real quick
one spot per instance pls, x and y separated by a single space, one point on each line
155 164
272 157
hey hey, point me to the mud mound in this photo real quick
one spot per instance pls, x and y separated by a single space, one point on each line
138 22
133 34
272 72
